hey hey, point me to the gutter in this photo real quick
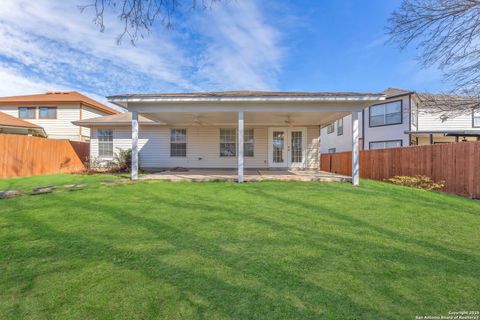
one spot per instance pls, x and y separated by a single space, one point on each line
38 129
116 124
126 99
473 133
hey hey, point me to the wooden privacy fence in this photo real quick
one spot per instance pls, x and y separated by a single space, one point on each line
22 156
457 164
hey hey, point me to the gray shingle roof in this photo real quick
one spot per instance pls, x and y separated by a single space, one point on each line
244 94
394 92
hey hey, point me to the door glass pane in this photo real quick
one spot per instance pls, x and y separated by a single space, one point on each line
296 146
278 145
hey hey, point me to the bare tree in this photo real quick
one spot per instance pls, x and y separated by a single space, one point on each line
446 105
139 16
447 33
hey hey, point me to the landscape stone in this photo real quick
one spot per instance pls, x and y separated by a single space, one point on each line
10 194
43 189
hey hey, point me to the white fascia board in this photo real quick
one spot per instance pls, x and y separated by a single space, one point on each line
248 107
125 100
114 124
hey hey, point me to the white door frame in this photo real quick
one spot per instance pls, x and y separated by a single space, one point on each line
287 154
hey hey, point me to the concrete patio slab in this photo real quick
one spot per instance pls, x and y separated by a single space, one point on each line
199 175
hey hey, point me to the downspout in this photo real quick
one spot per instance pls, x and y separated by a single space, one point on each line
363 129
318 147
410 119
81 118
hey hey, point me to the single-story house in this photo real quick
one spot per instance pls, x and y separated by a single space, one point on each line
12 125
235 129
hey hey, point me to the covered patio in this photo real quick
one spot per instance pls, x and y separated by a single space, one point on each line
289 124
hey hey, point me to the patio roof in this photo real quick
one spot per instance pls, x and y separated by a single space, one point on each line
240 108
244 96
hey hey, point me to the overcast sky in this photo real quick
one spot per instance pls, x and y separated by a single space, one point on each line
335 45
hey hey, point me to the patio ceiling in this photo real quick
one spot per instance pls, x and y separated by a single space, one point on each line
253 118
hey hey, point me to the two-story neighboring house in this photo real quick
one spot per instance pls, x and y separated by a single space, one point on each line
55 111
401 120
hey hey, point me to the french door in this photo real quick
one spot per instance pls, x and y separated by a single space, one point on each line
287 147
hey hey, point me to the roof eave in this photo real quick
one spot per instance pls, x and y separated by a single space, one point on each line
116 124
38 129
124 100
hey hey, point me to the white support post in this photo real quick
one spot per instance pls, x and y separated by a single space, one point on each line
134 145
240 146
355 150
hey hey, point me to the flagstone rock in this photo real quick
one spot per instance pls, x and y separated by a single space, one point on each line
10 194
43 189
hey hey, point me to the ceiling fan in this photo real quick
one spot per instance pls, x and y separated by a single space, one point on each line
198 122
289 121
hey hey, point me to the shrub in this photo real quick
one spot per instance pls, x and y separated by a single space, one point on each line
123 160
420 182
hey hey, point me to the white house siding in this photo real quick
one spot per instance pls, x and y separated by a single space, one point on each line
340 143
433 121
389 132
203 147
88 113
62 127
313 140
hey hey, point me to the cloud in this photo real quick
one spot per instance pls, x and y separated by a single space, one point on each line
243 50
377 42
50 44
16 83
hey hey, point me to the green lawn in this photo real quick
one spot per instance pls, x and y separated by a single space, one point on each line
270 250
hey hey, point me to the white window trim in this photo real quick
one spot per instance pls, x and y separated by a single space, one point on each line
48 107
331 128
339 133
98 143
476 115
27 107
384 142
186 142
236 143
233 142
244 142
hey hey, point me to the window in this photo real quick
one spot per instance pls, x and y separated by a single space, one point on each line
27 112
331 128
47 113
248 142
339 127
476 118
178 142
228 142
105 143
296 155
385 144
278 146
332 150
386 114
